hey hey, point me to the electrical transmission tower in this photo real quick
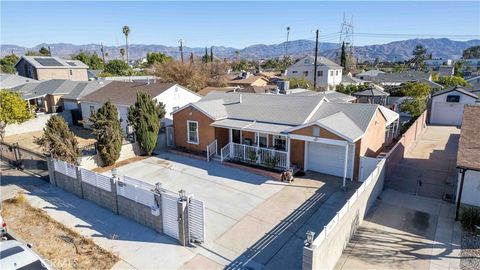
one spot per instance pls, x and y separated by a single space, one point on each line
346 37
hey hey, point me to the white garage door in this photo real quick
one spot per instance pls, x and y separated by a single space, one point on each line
329 159
447 113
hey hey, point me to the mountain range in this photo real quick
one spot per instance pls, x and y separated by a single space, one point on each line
393 51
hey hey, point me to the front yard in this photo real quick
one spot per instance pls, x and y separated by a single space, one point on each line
61 246
470 252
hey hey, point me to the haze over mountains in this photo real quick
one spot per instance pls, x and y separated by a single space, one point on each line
397 50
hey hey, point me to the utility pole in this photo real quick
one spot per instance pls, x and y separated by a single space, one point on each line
181 48
315 64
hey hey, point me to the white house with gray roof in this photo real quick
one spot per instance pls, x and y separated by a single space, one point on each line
329 74
306 132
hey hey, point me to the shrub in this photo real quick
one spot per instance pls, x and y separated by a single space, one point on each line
470 217
252 156
59 140
270 161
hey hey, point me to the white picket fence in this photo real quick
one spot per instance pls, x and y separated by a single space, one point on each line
137 191
65 168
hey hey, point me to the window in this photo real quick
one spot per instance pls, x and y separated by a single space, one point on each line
320 73
280 143
316 132
71 72
263 140
336 73
305 73
331 72
453 98
192 132
294 72
307 61
92 109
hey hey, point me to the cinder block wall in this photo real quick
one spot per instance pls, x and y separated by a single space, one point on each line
100 197
326 255
69 184
140 213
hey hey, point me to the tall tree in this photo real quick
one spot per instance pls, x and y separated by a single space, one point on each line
7 63
13 110
144 116
211 54
205 57
44 51
117 67
157 57
59 140
126 32
419 55
451 81
108 132
343 57
122 53
419 93
237 55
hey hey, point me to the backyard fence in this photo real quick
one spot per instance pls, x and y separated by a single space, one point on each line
327 247
143 202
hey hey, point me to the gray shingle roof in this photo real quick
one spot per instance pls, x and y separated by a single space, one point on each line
402 77
66 88
321 61
371 73
332 96
373 92
456 88
12 80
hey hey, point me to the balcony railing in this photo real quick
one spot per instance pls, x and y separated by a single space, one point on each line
262 156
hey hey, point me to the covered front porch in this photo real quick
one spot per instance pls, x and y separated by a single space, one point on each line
251 142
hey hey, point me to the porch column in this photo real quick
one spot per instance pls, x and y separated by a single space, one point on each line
230 142
229 135
257 137
288 153
345 164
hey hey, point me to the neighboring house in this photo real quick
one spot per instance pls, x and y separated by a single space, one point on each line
435 64
448 105
445 71
93 74
330 96
468 159
124 95
350 80
329 74
474 82
47 96
246 79
369 74
302 131
137 79
71 101
398 78
373 95
8 81
205 91
471 64
50 67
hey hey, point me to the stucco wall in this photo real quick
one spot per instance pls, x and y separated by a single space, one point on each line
35 124
129 150
64 74
177 97
373 141
206 133
471 188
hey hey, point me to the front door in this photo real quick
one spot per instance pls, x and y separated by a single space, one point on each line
235 135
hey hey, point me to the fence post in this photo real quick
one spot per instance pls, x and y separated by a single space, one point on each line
182 206
51 171
113 187
79 179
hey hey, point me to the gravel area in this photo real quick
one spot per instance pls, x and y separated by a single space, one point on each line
470 252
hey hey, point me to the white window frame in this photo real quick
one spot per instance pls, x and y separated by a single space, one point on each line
316 131
320 73
188 132
265 136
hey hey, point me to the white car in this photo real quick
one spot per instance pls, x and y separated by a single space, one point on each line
15 255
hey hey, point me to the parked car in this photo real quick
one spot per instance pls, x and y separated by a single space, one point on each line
3 229
15 255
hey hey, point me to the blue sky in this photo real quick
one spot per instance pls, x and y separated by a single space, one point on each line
236 24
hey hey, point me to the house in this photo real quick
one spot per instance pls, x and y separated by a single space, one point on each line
373 95
329 74
124 95
247 79
284 131
468 159
474 82
8 81
446 71
330 96
436 63
205 91
471 64
369 74
399 78
50 67
448 105
71 101
350 80
47 96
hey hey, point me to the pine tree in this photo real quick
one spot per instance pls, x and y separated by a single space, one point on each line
108 132
205 57
343 57
145 118
211 54
59 140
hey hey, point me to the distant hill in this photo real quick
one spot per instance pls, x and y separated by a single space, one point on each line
398 50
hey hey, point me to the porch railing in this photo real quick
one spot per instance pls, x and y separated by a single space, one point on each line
211 149
262 156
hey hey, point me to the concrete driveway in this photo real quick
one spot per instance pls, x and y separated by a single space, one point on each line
405 231
428 168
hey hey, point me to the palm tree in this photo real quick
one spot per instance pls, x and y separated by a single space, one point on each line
126 32
237 53
286 44
122 52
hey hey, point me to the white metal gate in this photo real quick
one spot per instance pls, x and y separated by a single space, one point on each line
170 141
170 215
196 220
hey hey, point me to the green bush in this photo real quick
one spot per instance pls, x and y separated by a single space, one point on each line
470 217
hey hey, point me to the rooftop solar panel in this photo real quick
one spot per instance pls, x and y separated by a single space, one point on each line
48 62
